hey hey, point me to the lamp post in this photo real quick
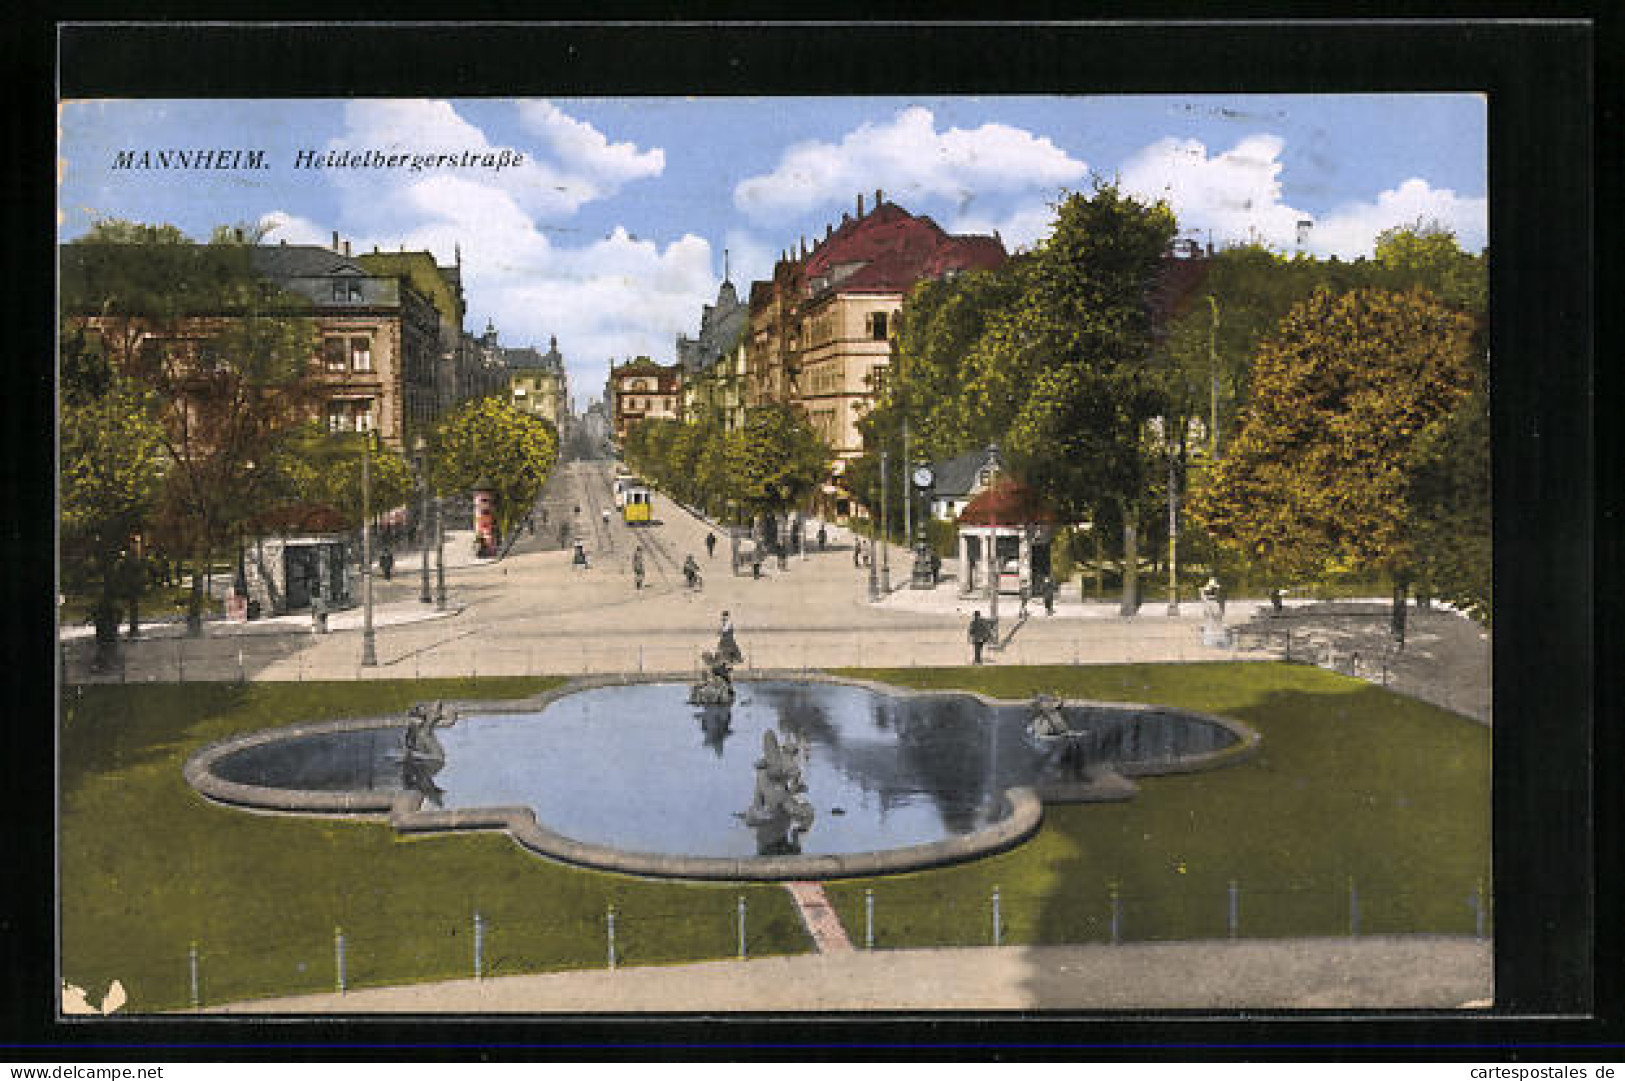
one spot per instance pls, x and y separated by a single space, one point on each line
439 559
885 528
420 454
1173 534
369 651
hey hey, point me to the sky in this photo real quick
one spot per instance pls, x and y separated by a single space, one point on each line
610 234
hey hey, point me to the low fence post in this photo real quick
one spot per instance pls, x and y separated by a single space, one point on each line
1478 909
610 924
191 964
868 919
1354 908
338 958
479 947
997 930
741 927
1117 913
242 672
1235 908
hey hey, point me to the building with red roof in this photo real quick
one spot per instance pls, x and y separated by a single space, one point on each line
820 331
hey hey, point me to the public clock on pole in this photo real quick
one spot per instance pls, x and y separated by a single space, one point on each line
923 477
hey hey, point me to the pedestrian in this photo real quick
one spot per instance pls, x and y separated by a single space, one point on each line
637 568
1049 595
710 546
727 645
781 550
936 568
981 632
857 552
579 557
691 571
605 513
1275 602
386 563
756 562
564 534
823 537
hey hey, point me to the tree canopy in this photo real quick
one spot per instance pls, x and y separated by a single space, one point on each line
1318 479
488 440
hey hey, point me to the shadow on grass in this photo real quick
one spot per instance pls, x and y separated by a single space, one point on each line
1364 811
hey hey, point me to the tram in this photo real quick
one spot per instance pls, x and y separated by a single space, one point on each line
636 508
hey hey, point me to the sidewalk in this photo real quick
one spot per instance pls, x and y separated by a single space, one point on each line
1417 972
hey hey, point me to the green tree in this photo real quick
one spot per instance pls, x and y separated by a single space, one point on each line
1318 479
313 465
1076 355
778 461
111 472
489 440
1449 504
226 358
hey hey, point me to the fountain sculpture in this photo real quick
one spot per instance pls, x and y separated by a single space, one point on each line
779 786
716 685
422 755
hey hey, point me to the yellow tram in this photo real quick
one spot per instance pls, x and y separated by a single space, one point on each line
633 497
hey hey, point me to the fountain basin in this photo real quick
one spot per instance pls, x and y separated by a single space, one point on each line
625 775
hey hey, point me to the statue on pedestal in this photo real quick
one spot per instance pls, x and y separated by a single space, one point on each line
1213 632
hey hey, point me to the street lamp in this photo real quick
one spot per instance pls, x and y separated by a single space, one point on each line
439 559
1173 531
885 528
420 455
369 651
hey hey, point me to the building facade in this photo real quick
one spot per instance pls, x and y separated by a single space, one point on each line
537 383
713 363
643 390
820 331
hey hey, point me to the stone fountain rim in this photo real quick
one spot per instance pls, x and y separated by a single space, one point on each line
405 812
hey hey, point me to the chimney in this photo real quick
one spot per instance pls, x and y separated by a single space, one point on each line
346 247
828 229
335 240
239 234
860 204
880 197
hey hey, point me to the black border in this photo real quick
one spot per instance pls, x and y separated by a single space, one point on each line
1550 565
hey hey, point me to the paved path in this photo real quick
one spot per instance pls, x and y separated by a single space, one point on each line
819 917
532 614
1357 973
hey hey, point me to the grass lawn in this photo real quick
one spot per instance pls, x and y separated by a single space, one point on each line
1351 783
149 867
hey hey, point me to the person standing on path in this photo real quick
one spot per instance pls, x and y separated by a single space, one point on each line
691 571
981 632
823 537
710 546
637 568
727 645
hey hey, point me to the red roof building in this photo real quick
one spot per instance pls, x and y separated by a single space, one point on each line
820 331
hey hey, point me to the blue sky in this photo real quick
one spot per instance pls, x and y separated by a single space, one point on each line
611 234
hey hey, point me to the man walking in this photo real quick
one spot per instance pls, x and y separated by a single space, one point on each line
710 546
691 571
637 568
981 632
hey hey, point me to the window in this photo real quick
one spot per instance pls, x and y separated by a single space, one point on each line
355 291
339 292
363 415
333 354
338 416
350 415
877 326
361 354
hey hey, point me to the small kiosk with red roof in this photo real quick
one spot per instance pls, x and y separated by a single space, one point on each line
1009 527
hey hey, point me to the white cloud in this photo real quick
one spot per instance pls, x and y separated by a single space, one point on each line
912 161
584 147
1236 194
1351 229
282 226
